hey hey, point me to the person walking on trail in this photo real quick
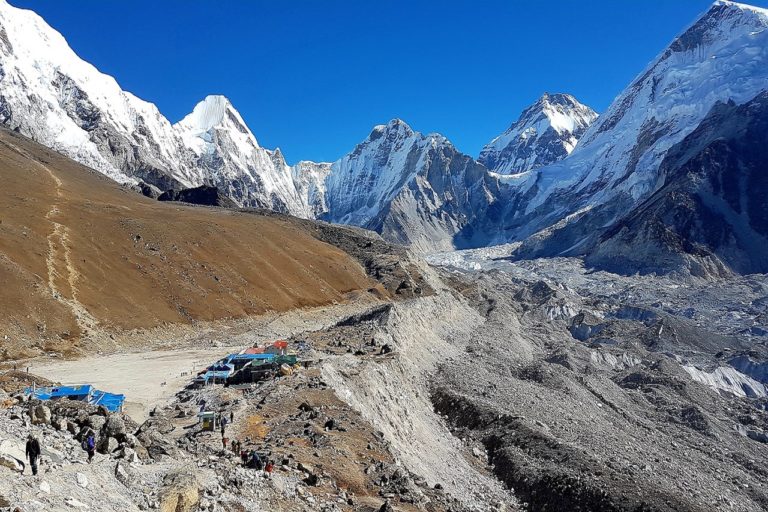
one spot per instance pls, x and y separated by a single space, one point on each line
254 462
89 445
33 452
224 442
231 416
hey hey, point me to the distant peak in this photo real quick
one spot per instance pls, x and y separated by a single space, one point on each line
557 99
737 5
395 126
214 110
719 23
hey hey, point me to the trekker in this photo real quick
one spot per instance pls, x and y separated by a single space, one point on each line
254 462
231 416
224 442
33 452
89 445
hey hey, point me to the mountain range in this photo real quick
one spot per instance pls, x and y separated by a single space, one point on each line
560 181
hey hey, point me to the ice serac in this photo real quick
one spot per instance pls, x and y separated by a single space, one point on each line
50 94
545 133
228 156
564 208
414 189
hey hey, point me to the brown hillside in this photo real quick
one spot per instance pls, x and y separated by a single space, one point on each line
79 253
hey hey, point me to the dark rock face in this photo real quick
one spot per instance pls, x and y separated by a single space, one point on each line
204 195
711 214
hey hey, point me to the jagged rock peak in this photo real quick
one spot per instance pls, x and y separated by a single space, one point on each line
546 132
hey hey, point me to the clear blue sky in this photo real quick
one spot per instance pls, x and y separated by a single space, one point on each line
313 77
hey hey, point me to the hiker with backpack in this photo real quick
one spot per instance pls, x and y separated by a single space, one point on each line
89 445
33 451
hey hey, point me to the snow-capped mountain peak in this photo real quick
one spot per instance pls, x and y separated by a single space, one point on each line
718 59
213 111
546 132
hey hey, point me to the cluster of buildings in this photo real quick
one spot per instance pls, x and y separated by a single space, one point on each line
250 365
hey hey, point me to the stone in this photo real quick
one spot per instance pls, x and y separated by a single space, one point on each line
107 445
45 487
115 426
11 463
40 415
124 474
82 480
180 493
59 423
96 422
72 502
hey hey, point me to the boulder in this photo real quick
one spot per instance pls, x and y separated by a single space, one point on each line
11 463
40 415
59 423
96 422
125 474
107 445
115 426
180 492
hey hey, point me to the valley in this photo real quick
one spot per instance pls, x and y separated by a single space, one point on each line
576 319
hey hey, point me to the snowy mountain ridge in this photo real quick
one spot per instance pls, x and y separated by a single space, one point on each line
562 208
51 95
546 132
553 183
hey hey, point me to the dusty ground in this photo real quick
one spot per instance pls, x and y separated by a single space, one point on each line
147 378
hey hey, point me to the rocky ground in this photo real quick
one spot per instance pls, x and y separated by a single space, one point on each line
534 386
595 392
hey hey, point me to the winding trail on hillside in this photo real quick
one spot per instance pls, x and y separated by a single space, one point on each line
59 256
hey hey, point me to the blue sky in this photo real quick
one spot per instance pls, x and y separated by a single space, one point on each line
313 77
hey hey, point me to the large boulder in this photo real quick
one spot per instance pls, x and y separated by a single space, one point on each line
180 492
96 422
11 463
114 427
40 415
107 445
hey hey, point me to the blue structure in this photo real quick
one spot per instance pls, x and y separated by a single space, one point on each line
250 357
113 402
83 393
219 371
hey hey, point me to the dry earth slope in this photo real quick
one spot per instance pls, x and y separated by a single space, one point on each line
82 256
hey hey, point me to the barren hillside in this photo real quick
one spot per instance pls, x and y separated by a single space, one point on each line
80 254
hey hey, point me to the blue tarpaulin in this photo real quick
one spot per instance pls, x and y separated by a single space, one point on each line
83 393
